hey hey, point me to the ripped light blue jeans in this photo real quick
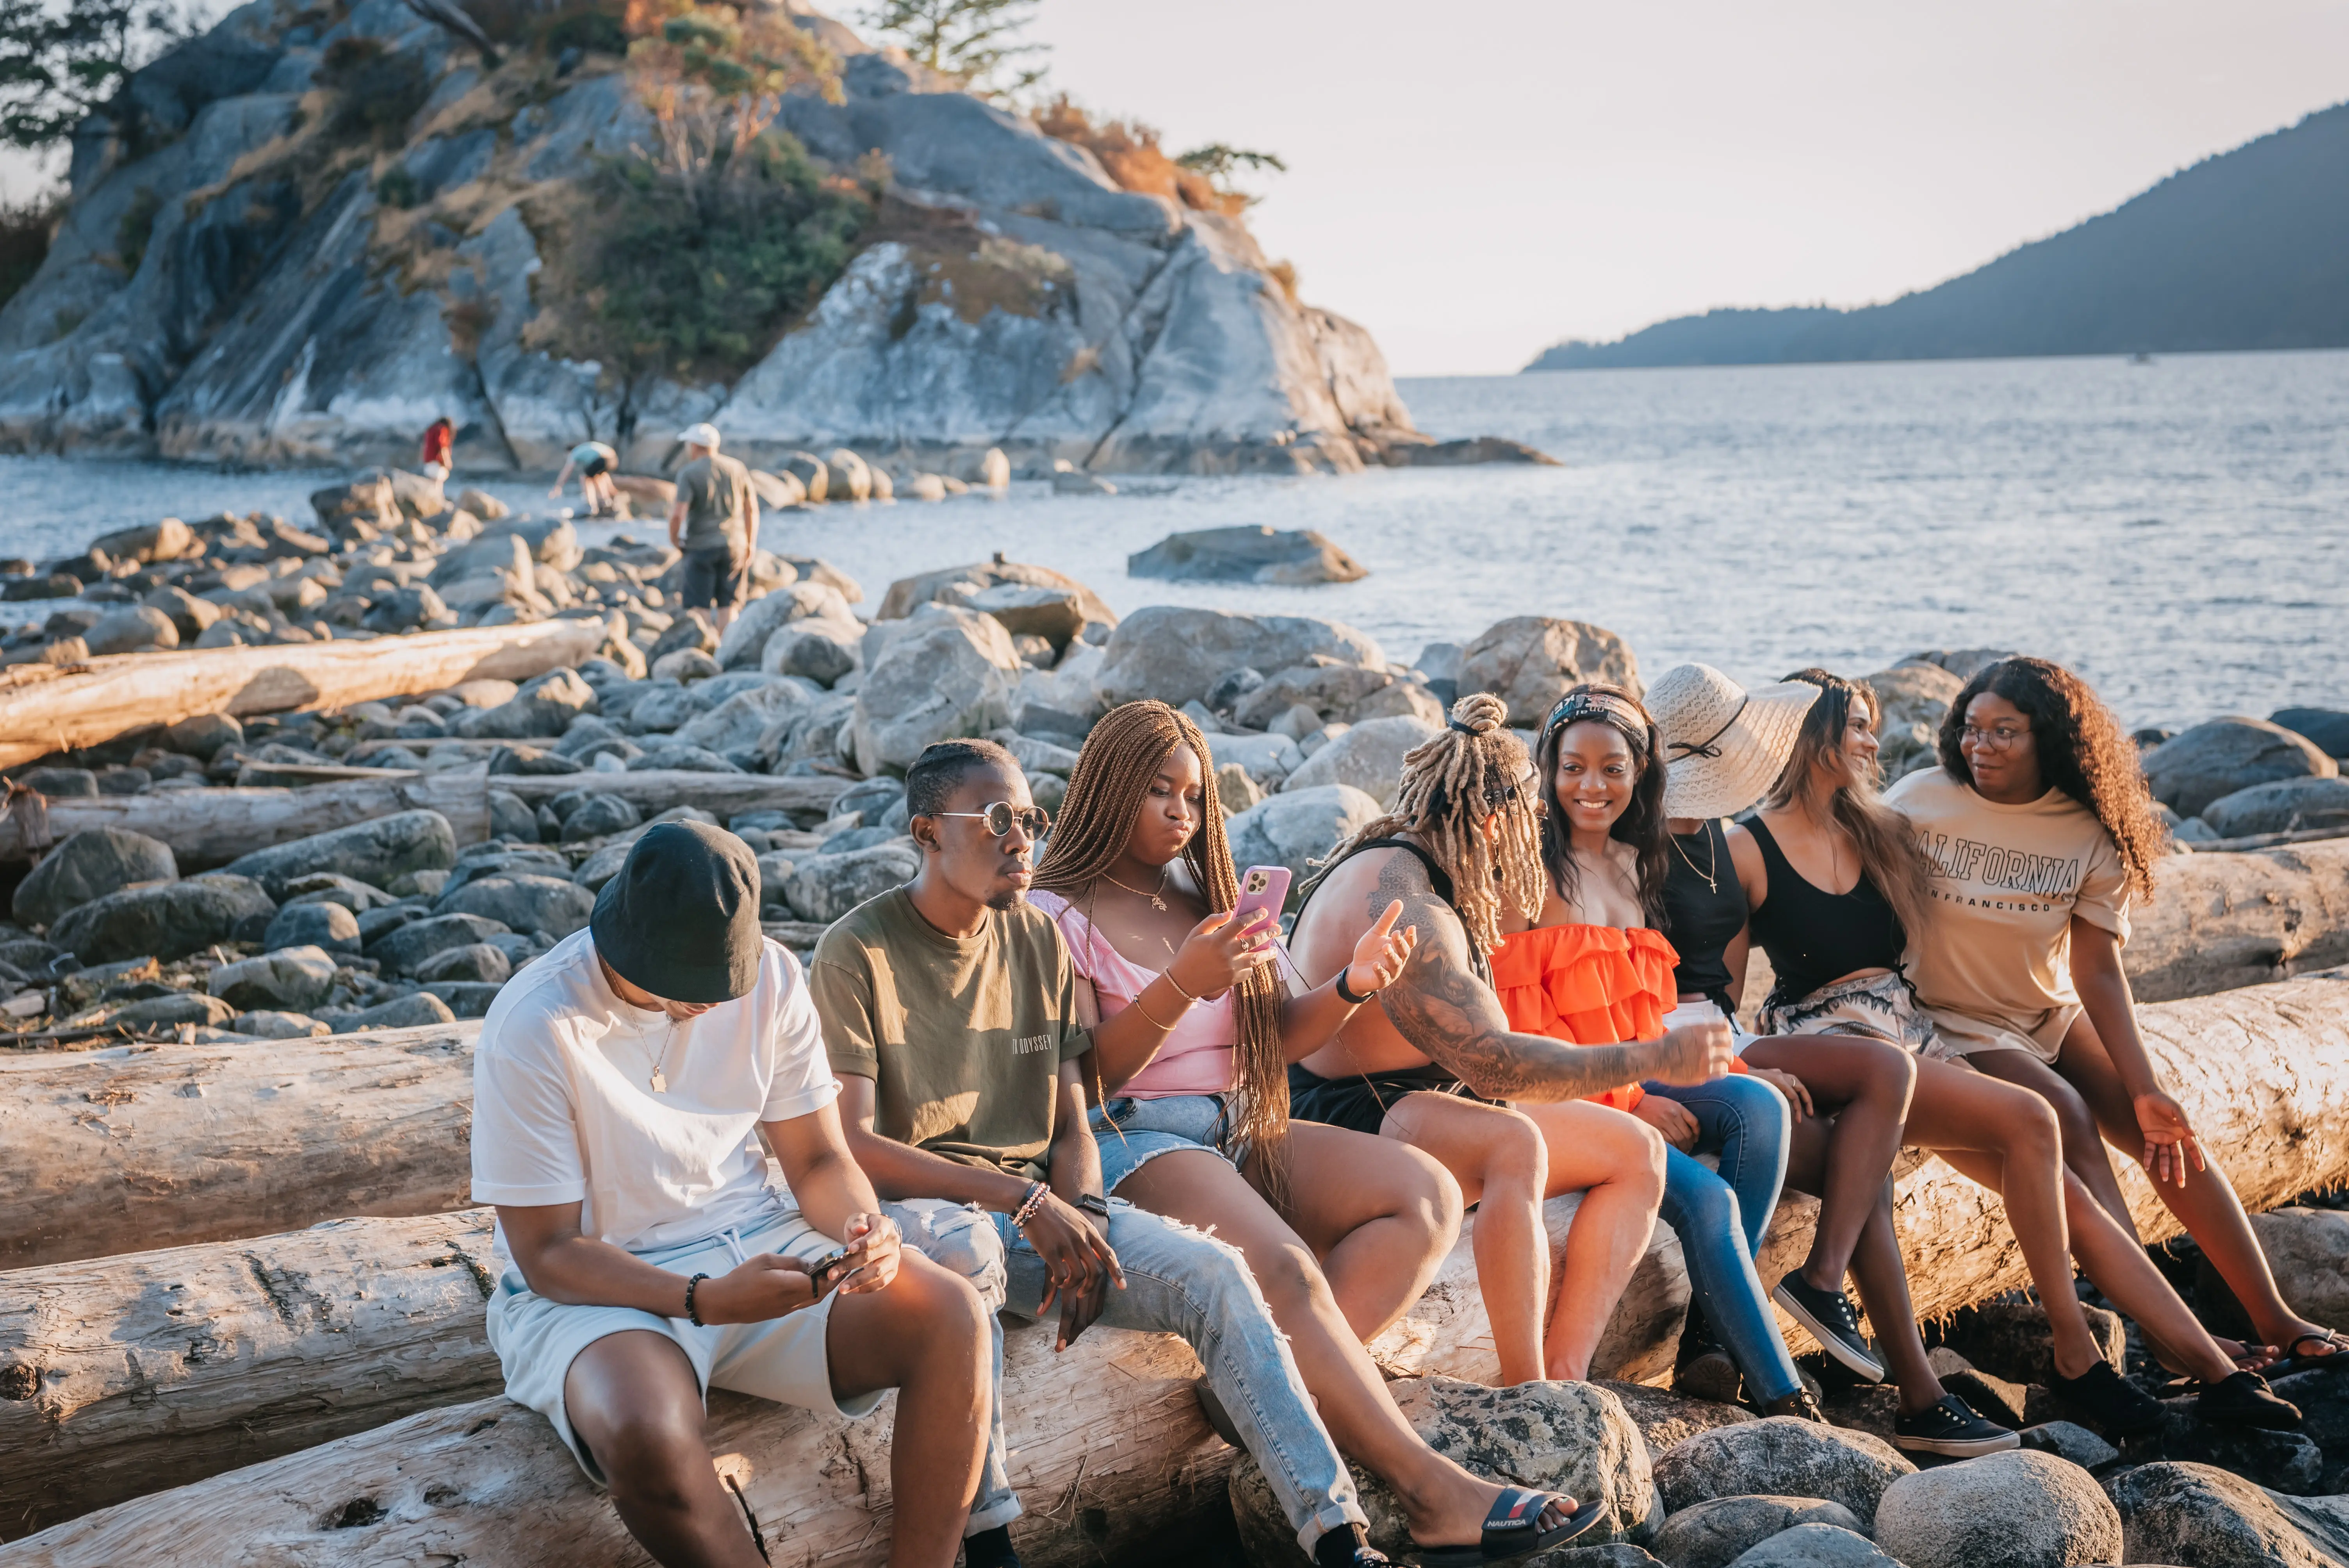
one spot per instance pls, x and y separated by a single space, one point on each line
1177 1281
1719 1219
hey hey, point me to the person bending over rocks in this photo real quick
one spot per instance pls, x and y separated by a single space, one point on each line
2039 829
620 1090
595 462
1847 1093
1591 969
1433 1065
1833 883
950 1006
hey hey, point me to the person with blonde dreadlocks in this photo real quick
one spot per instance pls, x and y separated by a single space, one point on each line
1194 1022
1430 1065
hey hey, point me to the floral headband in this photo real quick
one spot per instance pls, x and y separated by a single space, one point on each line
1601 705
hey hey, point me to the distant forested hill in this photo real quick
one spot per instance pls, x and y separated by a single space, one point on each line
2247 250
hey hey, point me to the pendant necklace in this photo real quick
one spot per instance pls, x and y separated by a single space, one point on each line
1712 861
660 1082
1157 900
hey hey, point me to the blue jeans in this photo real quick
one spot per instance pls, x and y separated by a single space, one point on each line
1719 1218
1177 1281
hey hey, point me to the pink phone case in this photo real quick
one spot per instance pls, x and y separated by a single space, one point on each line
1262 888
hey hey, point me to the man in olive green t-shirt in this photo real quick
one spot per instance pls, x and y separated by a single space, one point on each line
949 1015
715 522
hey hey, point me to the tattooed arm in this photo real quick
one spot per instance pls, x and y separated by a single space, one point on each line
1446 1013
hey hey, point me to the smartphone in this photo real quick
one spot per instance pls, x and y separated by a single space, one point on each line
1262 888
841 1262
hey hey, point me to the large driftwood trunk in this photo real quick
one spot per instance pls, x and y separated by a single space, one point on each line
129 1374
2217 922
662 789
209 828
55 707
1111 1455
136 1147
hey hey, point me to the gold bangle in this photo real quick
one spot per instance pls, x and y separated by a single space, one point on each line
1167 975
1162 1028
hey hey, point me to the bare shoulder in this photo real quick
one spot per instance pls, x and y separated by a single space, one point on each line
1745 854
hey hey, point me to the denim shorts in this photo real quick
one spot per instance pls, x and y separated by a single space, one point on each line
1131 1133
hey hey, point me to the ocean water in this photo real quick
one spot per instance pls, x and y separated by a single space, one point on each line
2177 532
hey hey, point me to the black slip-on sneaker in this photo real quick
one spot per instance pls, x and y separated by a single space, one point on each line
1832 1321
1952 1430
2244 1399
2111 1403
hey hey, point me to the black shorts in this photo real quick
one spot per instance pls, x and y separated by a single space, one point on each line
715 578
1359 1101
598 467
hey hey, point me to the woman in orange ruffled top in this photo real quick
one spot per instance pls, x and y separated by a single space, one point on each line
1595 971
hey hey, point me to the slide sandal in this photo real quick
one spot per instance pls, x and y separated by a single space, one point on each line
2334 1360
1513 1530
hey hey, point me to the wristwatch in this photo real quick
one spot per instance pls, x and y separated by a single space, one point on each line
1093 1203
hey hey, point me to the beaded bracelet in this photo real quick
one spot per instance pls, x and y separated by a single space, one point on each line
692 1312
1029 1204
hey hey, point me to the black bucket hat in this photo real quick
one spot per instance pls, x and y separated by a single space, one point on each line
681 920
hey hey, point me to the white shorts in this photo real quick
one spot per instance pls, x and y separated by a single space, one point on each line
1705 1010
783 1359
437 472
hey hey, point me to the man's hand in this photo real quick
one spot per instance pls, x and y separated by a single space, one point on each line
1380 955
1695 1053
1797 1093
1079 1264
768 1286
1671 1118
2170 1140
883 1249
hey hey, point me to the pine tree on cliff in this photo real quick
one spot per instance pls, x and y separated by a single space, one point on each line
976 41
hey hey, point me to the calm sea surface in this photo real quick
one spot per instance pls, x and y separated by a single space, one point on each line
2179 530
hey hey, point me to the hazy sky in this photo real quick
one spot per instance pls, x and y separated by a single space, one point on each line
1475 180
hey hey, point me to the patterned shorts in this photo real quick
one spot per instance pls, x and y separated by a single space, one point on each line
1881 1006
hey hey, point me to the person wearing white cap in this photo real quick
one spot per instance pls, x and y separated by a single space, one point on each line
715 522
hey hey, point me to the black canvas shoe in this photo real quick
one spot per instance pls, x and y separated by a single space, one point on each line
1832 1321
1951 1429
2113 1404
2244 1399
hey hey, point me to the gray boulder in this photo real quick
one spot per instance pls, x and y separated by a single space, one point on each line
272 1024
1714 1533
546 905
203 735
1667 1418
2018 1510
949 673
166 919
1266 759
319 924
1570 1438
1782 1456
292 978
674 757
333 887
87 865
2216 758
403 949
512 817
134 629
418 1009
1034 609
1328 688
1815 1546
746 639
1285 557
1297 828
189 615
478 961
2011 1340
1913 699
1369 757
408 609
464 999
2281 1461
737 722
660 710
822 888
2309 1251
1175 653
376 853
822 651
2192 1514
545 705
2327 726
1529 661
1964 663
2070 1440
961 584
2283 806
195 1008
598 815
603 865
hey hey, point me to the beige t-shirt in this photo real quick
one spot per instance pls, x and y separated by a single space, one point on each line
2006 882
963 1036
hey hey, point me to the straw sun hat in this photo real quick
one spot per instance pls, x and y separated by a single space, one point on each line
1724 746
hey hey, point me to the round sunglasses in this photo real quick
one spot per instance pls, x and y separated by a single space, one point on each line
1001 815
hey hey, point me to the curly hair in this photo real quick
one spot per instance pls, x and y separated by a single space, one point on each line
1643 825
2083 751
1888 847
1452 782
1120 758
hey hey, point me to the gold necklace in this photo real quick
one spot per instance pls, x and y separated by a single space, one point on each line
1712 861
660 1083
1157 900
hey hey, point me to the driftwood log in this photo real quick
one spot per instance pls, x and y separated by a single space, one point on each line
136 1147
151 1369
209 828
2221 921
2265 1073
661 789
46 708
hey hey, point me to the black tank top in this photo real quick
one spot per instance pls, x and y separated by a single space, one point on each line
1704 918
1439 881
1815 937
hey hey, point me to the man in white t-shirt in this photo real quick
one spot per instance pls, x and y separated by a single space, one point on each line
620 1090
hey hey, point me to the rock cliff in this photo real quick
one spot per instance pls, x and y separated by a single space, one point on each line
308 231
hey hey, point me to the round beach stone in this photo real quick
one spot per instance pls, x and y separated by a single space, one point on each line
134 629
2309 1251
2281 806
598 816
180 1007
202 735
1298 827
1715 1533
1782 1456
1816 1547
822 888
165 921
2217 757
376 854
949 673
2328 727
1529 661
2192 1514
321 924
416 1010
1176 653
550 906
1369 756
2017 1508
87 865
478 961
292 979
268 1024
402 948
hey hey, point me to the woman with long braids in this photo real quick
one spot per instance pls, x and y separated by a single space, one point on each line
1438 1065
1592 969
2039 830
1838 899
1197 1023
